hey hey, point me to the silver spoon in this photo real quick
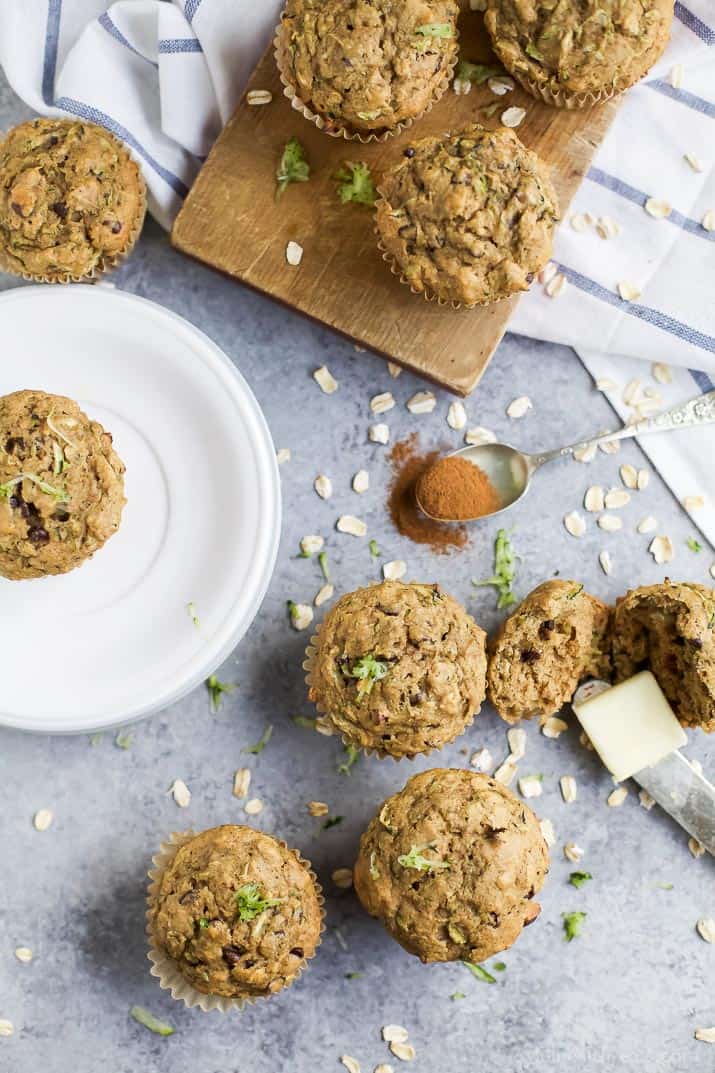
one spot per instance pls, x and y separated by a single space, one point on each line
510 470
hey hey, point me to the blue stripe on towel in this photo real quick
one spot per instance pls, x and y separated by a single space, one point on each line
623 189
172 45
644 313
698 27
698 104
113 30
93 115
701 379
190 9
52 37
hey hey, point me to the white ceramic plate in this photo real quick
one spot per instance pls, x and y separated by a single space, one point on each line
113 640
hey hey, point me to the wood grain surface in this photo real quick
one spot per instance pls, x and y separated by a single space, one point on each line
232 221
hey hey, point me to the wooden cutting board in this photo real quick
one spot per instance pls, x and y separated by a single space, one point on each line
232 221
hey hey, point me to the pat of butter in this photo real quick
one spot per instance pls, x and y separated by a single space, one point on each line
631 726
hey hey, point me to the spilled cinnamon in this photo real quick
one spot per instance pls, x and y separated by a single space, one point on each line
408 466
454 488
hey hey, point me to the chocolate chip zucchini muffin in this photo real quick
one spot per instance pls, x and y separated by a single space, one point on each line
61 485
467 218
367 66
398 669
72 200
450 865
557 636
575 52
669 629
236 912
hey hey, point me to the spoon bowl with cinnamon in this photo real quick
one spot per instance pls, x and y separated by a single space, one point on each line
450 492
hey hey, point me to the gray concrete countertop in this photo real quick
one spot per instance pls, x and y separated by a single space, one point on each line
627 995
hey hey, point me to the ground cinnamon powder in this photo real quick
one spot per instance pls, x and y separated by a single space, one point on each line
454 488
408 465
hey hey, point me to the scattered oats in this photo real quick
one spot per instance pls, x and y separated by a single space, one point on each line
24 954
705 1035
379 433
311 545
647 524
513 116
643 479
394 1034
556 286
253 807
692 503
659 210
662 372
553 727
585 741
393 369
628 291
383 1068
181 793
500 85
631 392
662 550
589 218
607 228
593 500
604 558
705 926
482 760
358 349
283 455
294 255
578 222
404 1051
318 808
505 772
323 486
361 481
547 273
423 402
617 498
604 383
343 878
301 616
712 570
241 782
708 220
531 786
324 727
645 800
519 406
617 797
652 393
478 435
325 380
348 523
610 447
6 1027
610 523
259 96
548 832
323 595
585 454
517 742
568 788
456 416
380 404
351 1064
42 819
675 77
394 570
575 524
695 162
696 848
573 852
462 86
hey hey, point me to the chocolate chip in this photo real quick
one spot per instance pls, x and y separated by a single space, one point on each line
695 642
298 952
417 698
546 627
60 209
530 655
116 227
529 277
409 152
16 208
36 534
61 515
232 954
14 501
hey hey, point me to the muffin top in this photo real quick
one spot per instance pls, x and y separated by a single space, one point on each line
579 46
450 865
557 636
670 630
468 217
70 196
368 64
238 912
61 485
399 668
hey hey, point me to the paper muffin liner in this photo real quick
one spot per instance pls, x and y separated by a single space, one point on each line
164 968
563 99
329 728
106 263
350 135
